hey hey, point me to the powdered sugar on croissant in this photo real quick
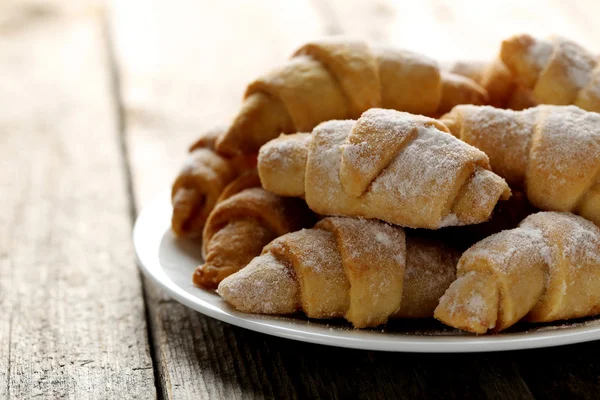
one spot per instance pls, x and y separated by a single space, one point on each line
545 270
401 168
361 270
558 70
553 152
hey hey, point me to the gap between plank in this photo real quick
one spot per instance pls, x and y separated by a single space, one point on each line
116 95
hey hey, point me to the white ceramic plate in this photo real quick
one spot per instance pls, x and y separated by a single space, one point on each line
170 262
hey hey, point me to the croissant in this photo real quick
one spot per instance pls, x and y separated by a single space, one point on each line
502 88
547 269
401 168
365 271
241 224
557 70
339 78
200 181
553 152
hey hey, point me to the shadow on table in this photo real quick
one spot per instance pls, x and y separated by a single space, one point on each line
273 367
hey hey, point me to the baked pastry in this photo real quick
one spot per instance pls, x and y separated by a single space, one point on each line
507 215
339 78
200 181
398 167
365 271
553 152
557 70
241 224
545 270
503 90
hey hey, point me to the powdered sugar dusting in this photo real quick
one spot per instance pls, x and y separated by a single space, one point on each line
504 135
552 151
560 247
581 62
383 238
566 158
324 161
381 132
449 220
529 242
413 175
283 151
266 286
539 53
320 252
432 162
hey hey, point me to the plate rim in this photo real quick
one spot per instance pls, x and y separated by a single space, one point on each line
147 225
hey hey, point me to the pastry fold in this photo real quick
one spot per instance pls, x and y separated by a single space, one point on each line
244 220
545 270
557 70
503 89
553 152
199 183
362 270
339 78
398 167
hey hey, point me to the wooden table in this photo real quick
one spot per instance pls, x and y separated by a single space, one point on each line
98 103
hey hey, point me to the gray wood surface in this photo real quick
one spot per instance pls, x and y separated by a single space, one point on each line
72 319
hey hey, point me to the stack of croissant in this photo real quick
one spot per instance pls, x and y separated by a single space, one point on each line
342 185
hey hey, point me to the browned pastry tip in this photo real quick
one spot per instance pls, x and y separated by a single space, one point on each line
244 220
546 269
203 176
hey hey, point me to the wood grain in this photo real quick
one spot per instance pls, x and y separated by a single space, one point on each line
183 66
71 307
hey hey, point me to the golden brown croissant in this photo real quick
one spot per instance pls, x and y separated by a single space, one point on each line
200 181
398 167
339 78
363 270
241 224
545 270
558 70
553 152
502 88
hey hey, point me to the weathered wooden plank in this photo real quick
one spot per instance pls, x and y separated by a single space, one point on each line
568 372
72 320
183 66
